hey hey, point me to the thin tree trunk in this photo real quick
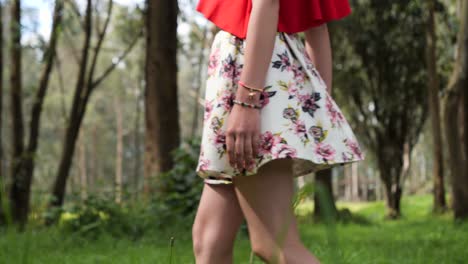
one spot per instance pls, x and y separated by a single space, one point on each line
324 200
433 87
458 83
74 123
348 182
82 167
390 172
161 102
355 181
18 199
2 174
378 188
86 84
137 144
119 149
94 171
365 188
23 161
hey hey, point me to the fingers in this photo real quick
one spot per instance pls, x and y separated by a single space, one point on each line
230 141
248 152
255 144
242 148
239 151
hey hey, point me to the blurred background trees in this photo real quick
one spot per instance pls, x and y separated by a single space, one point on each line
109 103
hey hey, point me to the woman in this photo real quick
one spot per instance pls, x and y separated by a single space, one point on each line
268 119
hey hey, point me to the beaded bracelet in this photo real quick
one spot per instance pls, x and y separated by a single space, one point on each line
246 104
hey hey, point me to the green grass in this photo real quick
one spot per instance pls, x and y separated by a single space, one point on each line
418 237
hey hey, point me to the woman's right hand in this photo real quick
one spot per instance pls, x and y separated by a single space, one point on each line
243 136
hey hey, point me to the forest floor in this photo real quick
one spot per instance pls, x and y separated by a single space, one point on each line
418 237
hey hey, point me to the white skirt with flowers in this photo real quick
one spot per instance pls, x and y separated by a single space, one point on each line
299 119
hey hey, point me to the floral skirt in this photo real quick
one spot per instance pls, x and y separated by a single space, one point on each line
299 119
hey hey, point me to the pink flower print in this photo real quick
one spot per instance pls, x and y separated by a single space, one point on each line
346 156
292 90
299 127
290 113
265 96
204 163
300 130
309 102
318 133
267 141
213 61
226 100
230 69
283 63
299 75
326 151
335 116
216 123
354 147
220 142
283 151
208 109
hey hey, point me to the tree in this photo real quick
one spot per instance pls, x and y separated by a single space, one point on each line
2 175
456 99
324 201
23 158
86 84
433 88
381 47
161 102
16 109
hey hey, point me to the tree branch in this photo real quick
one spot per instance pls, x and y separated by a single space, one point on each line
120 59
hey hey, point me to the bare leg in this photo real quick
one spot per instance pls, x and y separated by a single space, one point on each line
266 201
216 224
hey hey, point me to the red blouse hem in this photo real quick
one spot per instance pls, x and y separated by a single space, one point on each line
295 16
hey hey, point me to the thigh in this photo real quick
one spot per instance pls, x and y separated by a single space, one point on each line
219 215
266 201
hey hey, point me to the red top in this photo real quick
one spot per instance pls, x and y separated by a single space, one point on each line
294 15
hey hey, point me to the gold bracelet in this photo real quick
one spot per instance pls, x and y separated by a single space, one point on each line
251 89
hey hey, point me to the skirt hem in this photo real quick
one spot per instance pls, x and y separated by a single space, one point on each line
213 175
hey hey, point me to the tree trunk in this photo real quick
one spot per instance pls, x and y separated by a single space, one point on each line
324 200
86 84
378 188
119 149
75 118
137 145
355 181
390 168
93 174
23 160
19 187
82 167
433 87
2 175
161 103
458 83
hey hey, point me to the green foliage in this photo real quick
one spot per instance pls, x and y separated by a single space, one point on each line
172 206
180 188
99 215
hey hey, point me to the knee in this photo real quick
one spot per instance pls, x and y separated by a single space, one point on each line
208 242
